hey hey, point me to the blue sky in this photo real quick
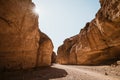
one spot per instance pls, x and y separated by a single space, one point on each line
61 19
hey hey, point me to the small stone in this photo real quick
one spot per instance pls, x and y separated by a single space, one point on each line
118 62
106 73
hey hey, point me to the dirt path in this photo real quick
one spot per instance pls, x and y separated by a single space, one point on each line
64 72
83 73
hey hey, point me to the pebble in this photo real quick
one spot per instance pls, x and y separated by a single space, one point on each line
118 62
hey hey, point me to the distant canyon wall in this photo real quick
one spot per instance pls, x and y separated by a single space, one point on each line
98 42
22 44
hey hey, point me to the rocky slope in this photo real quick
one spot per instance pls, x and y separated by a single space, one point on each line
98 42
22 44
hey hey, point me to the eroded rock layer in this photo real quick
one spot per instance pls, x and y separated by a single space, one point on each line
45 51
98 42
22 45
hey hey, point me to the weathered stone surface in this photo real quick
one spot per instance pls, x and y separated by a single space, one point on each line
45 51
53 58
20 39
98 42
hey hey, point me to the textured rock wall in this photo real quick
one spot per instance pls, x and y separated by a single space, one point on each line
45 51
53 58
21 42
98 42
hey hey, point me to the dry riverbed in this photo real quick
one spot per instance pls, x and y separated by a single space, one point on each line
65 72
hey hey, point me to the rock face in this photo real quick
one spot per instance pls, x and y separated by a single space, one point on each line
98 42
22 44
45 51
53 58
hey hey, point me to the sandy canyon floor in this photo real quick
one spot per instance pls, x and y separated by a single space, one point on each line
65 72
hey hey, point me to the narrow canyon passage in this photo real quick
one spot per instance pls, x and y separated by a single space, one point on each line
27 53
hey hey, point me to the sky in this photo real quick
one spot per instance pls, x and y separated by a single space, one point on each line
61 19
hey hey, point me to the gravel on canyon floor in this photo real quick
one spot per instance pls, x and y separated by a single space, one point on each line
65 72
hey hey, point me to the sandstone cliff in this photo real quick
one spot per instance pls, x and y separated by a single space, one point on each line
98 42
22 45
53 58
45 51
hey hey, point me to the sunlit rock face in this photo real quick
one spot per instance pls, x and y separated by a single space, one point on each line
22 45
45 51
98 42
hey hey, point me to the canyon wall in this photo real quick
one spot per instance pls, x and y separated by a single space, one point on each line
22 44
98 42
